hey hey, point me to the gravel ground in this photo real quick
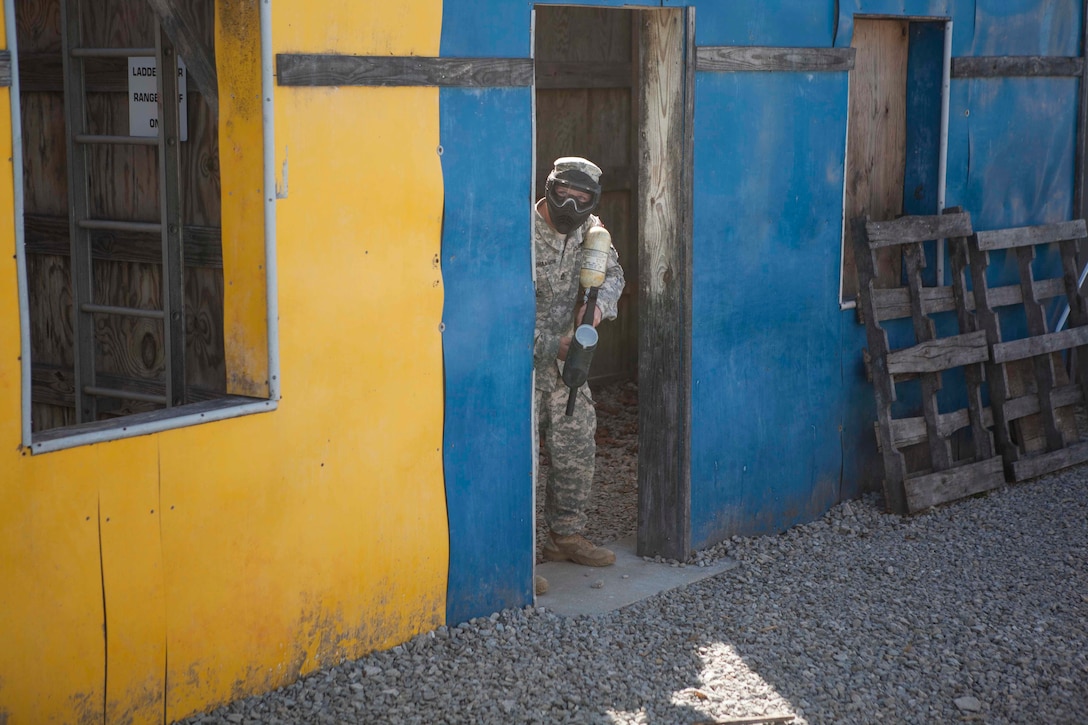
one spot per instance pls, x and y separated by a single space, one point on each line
976 611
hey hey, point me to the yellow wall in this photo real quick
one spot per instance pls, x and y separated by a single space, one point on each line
211 562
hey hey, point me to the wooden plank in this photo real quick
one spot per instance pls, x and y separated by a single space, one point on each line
925 491
302 69
981 418
895 467
43 73
941 354
1013 66
553 74
1030 346
1042 364
55 385
5 68
185 24
664 492
1033 466
918 229
1025 405
1031 236
46 234
726 58
912 431
894 303
876 153
940 450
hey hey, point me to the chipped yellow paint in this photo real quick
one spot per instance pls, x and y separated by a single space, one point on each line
240 554
245 312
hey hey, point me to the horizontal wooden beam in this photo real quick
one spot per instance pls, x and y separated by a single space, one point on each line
1025 405
944 353
1041 345
726 58
935 488
44 73
49 235
1027 468
555 75
1030 236
912 431
917 229
300 69
1011 66
55 385
5 68
894 303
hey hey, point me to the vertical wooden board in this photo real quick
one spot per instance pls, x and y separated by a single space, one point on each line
562 130
767 391
589 34
862 464
45 175
200 187
663 490
486 268
205 366
129 346
37 24
876 148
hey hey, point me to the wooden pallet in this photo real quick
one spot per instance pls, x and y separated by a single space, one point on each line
1027 381
946 478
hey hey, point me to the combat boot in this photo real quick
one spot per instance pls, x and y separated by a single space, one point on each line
578 549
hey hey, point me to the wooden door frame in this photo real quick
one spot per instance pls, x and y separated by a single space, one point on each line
665 204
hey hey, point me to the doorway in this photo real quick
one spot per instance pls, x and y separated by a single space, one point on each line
898 113
611 86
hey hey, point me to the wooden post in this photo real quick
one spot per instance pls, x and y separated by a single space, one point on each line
666 43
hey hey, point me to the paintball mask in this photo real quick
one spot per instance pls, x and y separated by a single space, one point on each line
572 192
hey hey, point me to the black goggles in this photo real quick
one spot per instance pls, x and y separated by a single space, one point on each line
563 194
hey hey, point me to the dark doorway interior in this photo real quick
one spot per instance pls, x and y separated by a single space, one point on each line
587 94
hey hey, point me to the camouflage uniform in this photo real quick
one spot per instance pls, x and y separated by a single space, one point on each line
568 440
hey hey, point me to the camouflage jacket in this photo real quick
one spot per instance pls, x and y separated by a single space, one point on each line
558 263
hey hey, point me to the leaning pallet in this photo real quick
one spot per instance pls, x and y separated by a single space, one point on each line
1047 393
945 478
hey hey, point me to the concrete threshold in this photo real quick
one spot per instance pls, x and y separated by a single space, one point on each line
574 589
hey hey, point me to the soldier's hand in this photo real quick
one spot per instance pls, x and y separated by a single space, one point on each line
564 345
597 315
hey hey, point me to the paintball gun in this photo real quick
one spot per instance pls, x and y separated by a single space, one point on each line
595 250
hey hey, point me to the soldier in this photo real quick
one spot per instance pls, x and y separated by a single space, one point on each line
560 222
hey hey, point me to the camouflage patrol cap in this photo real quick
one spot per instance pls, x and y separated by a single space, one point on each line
577 163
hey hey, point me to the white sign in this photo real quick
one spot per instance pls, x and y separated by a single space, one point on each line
143 98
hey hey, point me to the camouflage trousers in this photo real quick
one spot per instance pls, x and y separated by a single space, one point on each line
569 441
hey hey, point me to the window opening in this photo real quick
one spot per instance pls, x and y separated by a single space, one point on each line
122 262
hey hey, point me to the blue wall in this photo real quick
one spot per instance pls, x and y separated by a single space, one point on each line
766 364
781 412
